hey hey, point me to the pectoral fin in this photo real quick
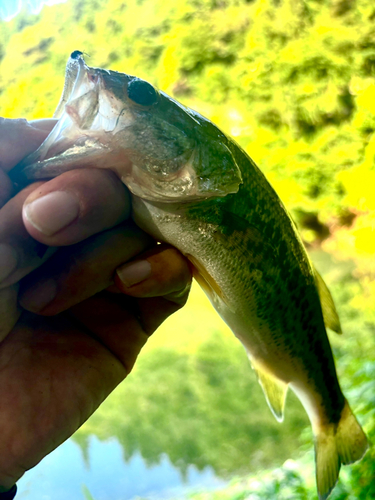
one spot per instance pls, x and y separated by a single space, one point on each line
274 390
206 281
330 316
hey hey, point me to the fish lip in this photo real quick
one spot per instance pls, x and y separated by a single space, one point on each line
82 67
86 80
76 54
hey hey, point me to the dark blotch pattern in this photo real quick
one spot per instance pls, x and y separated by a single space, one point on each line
260 240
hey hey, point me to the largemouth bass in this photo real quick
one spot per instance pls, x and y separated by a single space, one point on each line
196 189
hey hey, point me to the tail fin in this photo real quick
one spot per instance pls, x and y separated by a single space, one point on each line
336 444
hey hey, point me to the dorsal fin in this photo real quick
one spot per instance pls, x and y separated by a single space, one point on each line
330 316
274 390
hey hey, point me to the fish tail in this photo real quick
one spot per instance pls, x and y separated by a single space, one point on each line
336 444
352 442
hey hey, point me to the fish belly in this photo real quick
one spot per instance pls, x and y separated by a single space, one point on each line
247 288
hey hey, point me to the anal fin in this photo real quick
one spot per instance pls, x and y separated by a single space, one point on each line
274 390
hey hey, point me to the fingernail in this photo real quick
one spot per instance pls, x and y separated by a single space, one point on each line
8 261
52 212
36 298
134 272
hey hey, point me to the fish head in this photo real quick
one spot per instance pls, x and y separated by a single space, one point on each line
161 150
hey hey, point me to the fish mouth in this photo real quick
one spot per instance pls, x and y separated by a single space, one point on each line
88 116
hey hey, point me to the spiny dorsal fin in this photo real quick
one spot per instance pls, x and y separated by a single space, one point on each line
274 390
330 316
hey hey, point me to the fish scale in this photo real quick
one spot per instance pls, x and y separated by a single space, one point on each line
195 188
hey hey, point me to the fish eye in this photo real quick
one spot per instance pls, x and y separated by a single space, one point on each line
142 92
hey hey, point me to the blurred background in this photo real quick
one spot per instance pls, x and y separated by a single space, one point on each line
293 81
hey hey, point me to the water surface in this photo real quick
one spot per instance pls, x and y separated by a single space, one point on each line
68 474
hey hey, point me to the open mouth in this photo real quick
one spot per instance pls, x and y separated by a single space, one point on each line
87 117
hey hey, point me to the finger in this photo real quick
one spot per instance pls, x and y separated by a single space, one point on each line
45 124
19 138
75 273
160 272
9 310
6 188
19 253
75 205
153 311
122 324
90 189
110 317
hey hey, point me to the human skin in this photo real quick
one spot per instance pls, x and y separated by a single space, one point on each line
71 328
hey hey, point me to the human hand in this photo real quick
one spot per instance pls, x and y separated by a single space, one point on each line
68 335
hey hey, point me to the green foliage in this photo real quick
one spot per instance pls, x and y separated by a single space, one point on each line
203 408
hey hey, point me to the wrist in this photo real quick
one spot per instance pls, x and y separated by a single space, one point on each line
9 494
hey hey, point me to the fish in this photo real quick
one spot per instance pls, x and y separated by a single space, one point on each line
192 186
